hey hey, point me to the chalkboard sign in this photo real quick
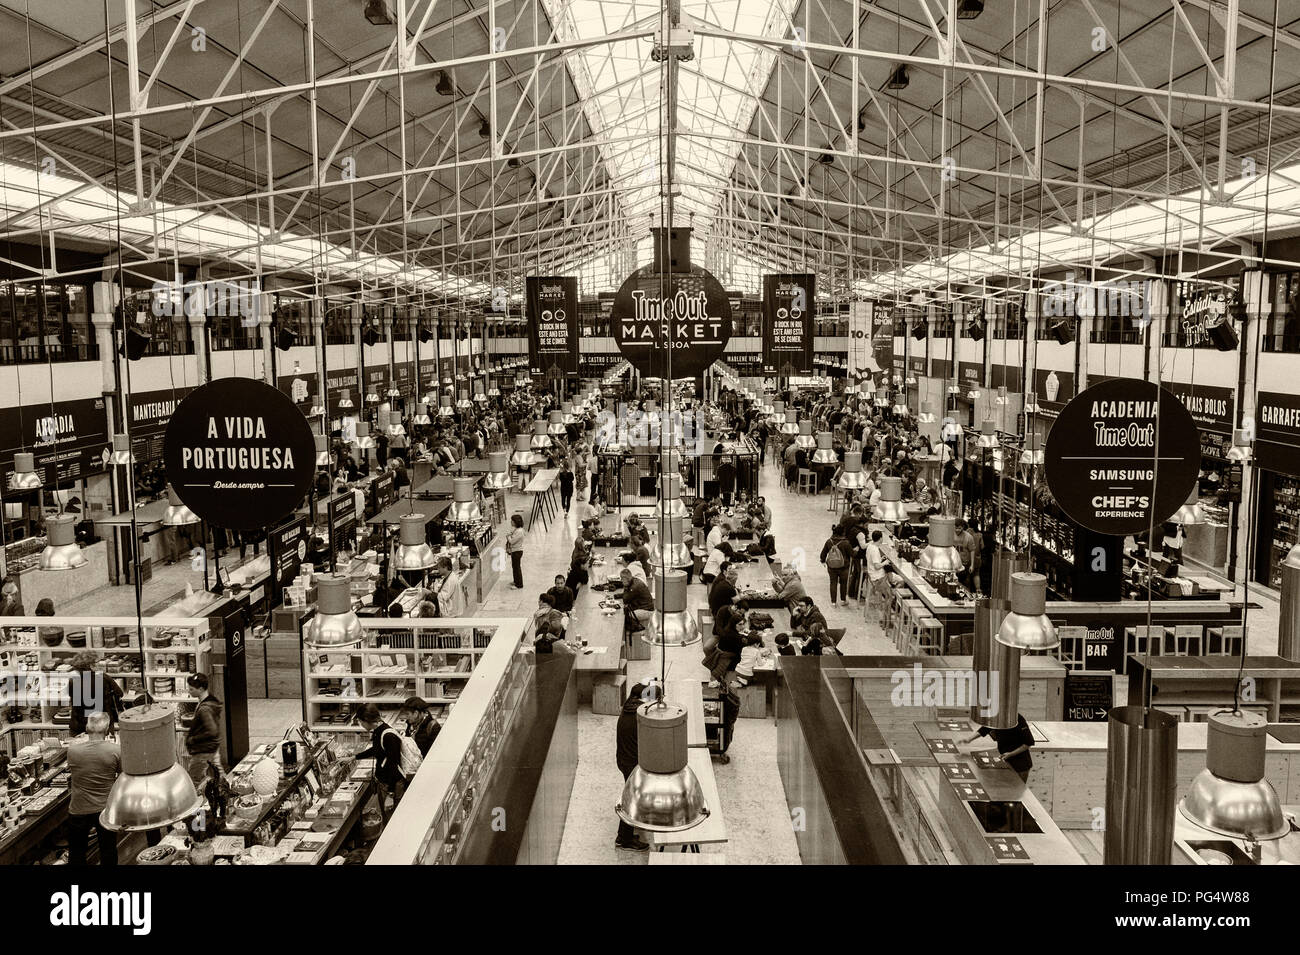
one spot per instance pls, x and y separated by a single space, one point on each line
1088 697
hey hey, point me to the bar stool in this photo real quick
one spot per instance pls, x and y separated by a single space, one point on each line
835 498
1189 639
807 482
929 635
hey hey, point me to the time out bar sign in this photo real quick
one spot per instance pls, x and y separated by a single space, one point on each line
239 453
1122 456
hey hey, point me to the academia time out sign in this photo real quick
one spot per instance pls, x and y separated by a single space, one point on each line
683 314
1122 456
239 453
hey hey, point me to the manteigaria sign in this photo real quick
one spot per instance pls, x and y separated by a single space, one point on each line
1123 455
685 314
239 453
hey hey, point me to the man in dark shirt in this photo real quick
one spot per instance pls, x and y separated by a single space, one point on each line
722 592
386 750
1013 745
561 594
93 765
626 756
203 741
638 604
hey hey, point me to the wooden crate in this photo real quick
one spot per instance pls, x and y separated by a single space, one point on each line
283 667
255 664
608 694
753 701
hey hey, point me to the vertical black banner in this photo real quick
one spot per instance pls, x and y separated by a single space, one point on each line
286 545
228 620
342 509
788 324
552 303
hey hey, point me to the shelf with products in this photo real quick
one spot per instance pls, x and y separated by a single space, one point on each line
1284 524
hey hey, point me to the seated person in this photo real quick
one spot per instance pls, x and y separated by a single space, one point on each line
722 592
751 653
547 621
789 587
783 647
720 555
803 614
638 604
726 627
561 595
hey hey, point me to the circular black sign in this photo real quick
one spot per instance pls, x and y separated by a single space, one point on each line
1101 456
692 322
239 453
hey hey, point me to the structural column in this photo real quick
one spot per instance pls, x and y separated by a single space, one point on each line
263 314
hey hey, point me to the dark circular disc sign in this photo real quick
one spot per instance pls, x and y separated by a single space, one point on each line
239 453
692 322
1122 455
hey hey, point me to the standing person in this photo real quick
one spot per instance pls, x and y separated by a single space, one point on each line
875 567
515 548
1013 745
726 475
10 604
93 766
626 756
566 485
203 740
581 477
968 546
837 554
97 692
386 750
420 723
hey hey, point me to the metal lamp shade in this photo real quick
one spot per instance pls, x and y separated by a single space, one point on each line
671 503
567 414
672 551
464 502
345 400
445 410
1032 455
177 514
494 392
362 440
988 435
927 413
1027 626
1031 404
413 550
421 414
335 625
463 402
852 477
372 397
901 409
824 454
480 398
498 476
1190 513
541 436
523 456
317 406
890 506
677 628
323 458
555 424
805 437
393 393
25 477
1002 398
395 423
153 790
939 556
662 794
1230 795
61 551
122 449
791 425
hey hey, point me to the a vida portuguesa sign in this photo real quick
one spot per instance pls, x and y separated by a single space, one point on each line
1124 455
685 314
239 453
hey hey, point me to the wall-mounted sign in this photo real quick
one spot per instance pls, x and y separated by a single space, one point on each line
1277 432
1054 390
300 387
1088 697
338 382
684 315
593 364
376 380
1122 456
1211 407
941 368
150 412
970 374
70 436
788 324
1201 306
916 363
404 376
239 453
552 311
1101 649
1007 376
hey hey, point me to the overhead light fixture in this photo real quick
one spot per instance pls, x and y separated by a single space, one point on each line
345 400
379 13
975 329
1002 398
791 425
804 439
24 476
1240 450
1032 453
498 476
464 500
825 453
852 477
369 336
890 506
61 551
335 624
1191 513
421 416
362 440
395 424
444 85
393 392
425 336
153 791
177 514
662 793
445 409
122 450
134 344
672 625
969 9
524 456
826 159
494 392
1062 331
463 402
1031 404
323 458
988 435
1027 626
285 338
317 406
927 413
1230 796
413 551
372 397
975 393
939 555
898 78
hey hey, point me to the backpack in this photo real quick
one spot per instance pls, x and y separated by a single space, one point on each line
411 757
835 557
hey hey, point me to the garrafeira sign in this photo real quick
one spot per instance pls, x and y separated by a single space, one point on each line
239 453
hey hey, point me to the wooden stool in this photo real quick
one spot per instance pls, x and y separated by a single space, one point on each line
929 635
807 482
835 498
1189 639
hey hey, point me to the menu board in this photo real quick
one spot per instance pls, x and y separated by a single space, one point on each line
1088 697
70 437
383 492
286 545
1277 432
342 514
150 411
1211 407
970 374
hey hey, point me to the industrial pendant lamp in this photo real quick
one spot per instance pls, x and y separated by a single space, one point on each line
672 625
363 441
555 426
567 414
494 392
345 400
178 515
890 506
1032 455
1027 626
900 406
372 398
153 791
421 414
778 412
927 413
852 478
464 501
670 499
413 550
541 439
463 402
395 428
523 456
335 625
498 476
1230 796
825 454
1240 450
1002 398
122 449
1191 513
61 551
791 425
393 392
805 437
1031 404
988 435
662 794
317 406
672 552
323 458
24 476
445 410
939 556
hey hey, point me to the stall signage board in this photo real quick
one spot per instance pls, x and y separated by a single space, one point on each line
428 375
1088 697
788 324
591 365
404 376
1007 376
240 454
1101 647
916 363
942 367
286 545
385 492
300 387
337 382
342 512
1277 432
68 437
1107 448
552 311
1211 407
1054 390
684 315
970 374
150 412
376 380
